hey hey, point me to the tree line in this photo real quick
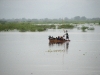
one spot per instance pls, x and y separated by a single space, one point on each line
76 19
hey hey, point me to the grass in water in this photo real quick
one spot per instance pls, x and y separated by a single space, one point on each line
91 28
23 27
84 28
66 26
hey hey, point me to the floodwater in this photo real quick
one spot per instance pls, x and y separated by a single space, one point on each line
30 53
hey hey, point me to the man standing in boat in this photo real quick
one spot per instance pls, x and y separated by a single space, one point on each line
67 36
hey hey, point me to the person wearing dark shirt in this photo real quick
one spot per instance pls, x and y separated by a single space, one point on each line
67 36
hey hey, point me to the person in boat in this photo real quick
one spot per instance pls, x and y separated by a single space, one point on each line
58 38
67 36
49 37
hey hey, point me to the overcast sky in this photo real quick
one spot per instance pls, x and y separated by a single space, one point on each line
49 8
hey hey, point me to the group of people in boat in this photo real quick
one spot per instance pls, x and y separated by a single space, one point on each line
58 38
61 37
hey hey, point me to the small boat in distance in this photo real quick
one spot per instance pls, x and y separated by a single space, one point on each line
58 39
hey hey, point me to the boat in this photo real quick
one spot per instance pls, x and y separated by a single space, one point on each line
57 40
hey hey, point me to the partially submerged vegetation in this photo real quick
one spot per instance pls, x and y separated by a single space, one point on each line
22 27
99 23
68 26
31 26
84 28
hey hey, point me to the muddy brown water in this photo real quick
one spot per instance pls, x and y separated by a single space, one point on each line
30 53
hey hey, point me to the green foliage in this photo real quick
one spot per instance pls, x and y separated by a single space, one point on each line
23 27
84 28
66 26
91 28
99 23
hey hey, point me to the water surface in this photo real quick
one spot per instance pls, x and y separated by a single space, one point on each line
30 53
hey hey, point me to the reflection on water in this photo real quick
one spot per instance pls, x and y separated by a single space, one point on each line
64 45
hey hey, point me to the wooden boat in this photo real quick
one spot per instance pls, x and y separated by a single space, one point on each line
59 41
